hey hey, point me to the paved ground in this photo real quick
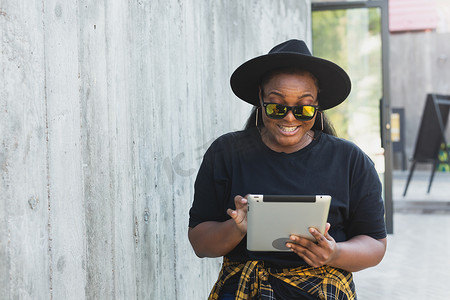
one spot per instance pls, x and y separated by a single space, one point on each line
417 262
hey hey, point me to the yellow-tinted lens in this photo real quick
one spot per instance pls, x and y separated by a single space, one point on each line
275 110
304 112
308 111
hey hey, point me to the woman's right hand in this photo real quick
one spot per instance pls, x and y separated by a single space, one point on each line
214 239
240 214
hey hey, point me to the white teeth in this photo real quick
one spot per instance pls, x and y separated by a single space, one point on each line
288 129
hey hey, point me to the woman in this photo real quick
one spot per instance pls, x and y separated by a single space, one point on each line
289 150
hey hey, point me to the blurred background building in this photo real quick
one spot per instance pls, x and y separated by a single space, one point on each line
419 61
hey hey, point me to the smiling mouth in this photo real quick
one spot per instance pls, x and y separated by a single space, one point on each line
288 129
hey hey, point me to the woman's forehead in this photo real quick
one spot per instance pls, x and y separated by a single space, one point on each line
291 83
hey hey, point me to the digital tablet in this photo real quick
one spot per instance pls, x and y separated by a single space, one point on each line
272 219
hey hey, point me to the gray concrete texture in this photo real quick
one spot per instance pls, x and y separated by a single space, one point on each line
416 263
106 108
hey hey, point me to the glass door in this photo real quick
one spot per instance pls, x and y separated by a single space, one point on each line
352 36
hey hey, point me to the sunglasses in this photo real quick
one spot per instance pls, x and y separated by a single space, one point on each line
301 112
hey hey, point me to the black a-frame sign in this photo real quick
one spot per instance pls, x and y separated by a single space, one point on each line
431 134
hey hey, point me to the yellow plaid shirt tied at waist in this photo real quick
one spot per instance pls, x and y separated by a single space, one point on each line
324 282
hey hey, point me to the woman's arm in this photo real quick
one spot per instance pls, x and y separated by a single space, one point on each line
214 239
358 253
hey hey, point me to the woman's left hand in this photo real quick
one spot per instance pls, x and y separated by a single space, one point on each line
315 254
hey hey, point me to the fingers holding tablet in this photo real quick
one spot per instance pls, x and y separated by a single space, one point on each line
239 215
317 253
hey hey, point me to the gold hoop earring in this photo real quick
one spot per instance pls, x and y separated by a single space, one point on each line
321 119
257 109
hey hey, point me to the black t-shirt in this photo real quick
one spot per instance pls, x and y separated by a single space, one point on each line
239 163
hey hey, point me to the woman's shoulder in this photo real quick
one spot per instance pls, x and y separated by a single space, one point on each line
234 138
342 146
338 142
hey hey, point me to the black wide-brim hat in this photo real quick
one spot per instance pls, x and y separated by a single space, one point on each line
334 83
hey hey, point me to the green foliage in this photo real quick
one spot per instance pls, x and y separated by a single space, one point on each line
443 166
329 29
334 31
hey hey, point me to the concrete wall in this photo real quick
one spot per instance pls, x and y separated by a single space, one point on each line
106 109
419 64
